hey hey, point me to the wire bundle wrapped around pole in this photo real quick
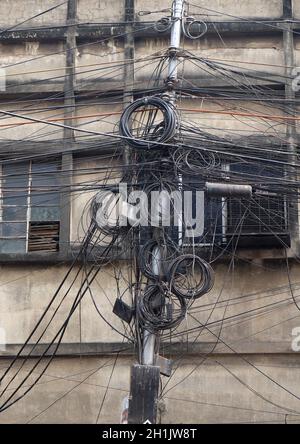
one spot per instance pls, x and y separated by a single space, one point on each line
146 258
158 309
152 134
179 269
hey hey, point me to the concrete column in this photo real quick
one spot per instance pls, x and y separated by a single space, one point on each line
69 137
291 128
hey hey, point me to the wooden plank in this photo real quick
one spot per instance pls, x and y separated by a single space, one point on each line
43 236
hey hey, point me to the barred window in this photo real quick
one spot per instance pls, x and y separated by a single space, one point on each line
262 221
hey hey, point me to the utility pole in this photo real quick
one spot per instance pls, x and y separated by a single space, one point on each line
153 319
145 377
177 14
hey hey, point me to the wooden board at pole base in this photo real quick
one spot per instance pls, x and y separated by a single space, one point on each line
144 386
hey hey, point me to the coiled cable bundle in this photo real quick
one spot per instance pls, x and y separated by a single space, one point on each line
146 258
163 24
104 212
190 24
190 277
147 122
163 202
193 162
159 309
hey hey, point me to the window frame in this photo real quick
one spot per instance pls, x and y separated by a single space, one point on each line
64 252
250 238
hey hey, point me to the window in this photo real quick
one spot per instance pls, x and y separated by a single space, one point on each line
30 207
213 214
261 222
265 217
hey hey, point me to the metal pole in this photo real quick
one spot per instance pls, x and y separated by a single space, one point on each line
144 384
149 339
177 13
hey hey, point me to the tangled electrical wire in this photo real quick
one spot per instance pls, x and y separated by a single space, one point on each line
191 27
105 214
190 276
147 258
170 275
158 309
148 121
175 279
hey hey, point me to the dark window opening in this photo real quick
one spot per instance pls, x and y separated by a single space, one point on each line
261 222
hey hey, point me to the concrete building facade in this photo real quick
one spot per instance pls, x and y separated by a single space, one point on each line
85 53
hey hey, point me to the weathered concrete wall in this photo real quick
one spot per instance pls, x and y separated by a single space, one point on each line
93 11
13 12
27 290
30 61
218 390
83 403
216 10
261 55
255 299
101 61
297 50
103 118
296 9
33 61
37 131
99 119
213 121
261 290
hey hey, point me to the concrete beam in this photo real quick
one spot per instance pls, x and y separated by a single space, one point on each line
291 127
65 257
287 9
109 87
68 257
92 32
243 347
18 150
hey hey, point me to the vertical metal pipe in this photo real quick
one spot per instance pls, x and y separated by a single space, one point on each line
177 12
149 339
